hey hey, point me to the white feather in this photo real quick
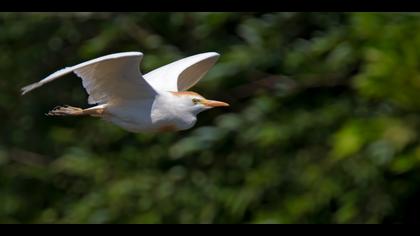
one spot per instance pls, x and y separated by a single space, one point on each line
182 74
107 78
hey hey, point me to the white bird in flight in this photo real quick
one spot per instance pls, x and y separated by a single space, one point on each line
154 102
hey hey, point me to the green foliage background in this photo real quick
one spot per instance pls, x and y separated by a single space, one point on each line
322 128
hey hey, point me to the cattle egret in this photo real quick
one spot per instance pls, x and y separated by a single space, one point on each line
156 101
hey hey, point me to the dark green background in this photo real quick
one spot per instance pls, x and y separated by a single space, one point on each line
322 128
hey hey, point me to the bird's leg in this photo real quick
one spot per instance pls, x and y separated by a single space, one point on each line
75 111
97 111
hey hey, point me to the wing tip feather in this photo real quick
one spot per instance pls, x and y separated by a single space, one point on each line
211 54
29 88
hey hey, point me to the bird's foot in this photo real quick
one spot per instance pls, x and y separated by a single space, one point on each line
65 111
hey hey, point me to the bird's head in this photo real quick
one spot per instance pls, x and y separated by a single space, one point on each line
196 103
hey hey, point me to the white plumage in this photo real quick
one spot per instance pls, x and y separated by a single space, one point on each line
157 101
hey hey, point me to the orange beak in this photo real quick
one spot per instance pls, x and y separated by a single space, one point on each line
212 103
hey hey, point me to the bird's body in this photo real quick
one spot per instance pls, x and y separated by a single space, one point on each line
157 101
150 115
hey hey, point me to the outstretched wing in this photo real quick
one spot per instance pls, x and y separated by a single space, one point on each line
112 77
182 74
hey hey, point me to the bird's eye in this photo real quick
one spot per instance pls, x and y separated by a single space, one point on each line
195 100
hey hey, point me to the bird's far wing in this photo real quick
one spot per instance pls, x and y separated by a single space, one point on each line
182 74
115 76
